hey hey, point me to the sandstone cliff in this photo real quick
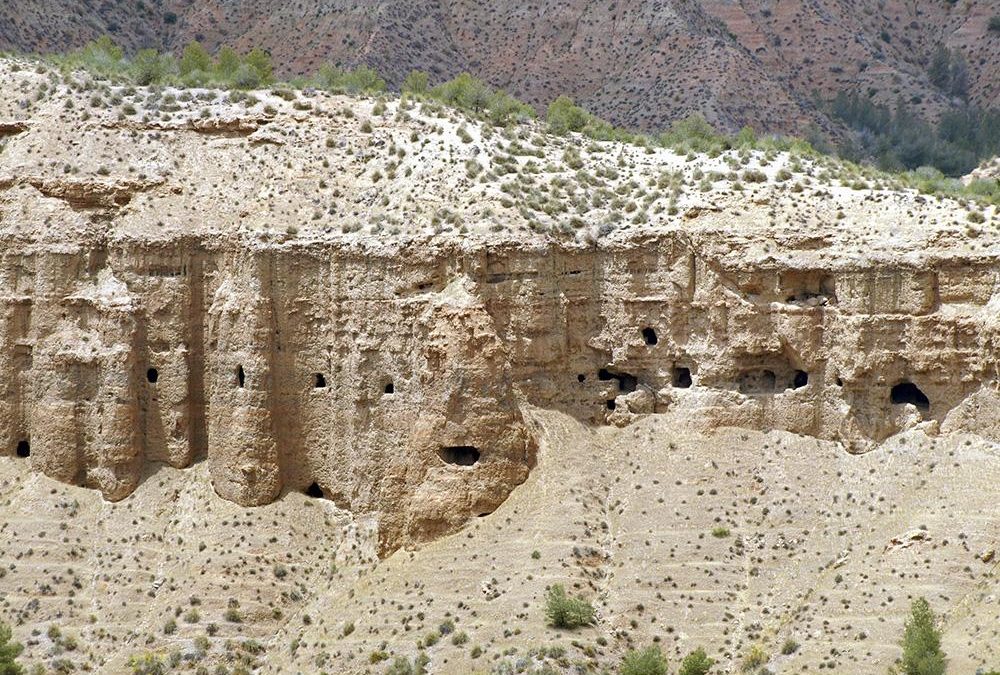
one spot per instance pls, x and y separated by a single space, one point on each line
312 294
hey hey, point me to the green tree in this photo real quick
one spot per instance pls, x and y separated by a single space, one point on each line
465 92
922 653
149 67
260 62
417 82
227 63
648 661
563 611
9 651
564 116
696 663
362 79
939 69
194 58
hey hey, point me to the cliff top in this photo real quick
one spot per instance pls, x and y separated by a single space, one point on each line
85 161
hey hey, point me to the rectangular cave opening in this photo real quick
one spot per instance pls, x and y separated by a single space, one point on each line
682 377
23 448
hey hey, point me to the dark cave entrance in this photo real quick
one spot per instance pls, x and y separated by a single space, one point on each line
23 449
460 455
152 375
800 380
241 377
626 383
320 382
649 336
907 392
314 491
389 388
682 377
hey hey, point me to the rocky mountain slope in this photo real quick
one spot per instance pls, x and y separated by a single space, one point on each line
297 382
640 63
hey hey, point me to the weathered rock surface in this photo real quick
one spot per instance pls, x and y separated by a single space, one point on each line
174 291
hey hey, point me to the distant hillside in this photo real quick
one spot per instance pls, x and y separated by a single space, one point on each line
639 63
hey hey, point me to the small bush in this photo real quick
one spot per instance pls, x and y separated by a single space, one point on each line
790 647
696 663
563 611
720 532
754 659
994 23
649 661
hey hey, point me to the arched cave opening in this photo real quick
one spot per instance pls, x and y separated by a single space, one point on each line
314 491
23 449
800 379
610 403
389 388
581 378
152 375
241 377
460 455
682 377
320 381
907 392
649 336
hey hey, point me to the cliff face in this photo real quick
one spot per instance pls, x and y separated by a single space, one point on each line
390 383
311 306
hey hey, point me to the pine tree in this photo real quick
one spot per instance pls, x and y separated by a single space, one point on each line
922 653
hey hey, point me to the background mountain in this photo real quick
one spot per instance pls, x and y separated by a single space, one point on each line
639 63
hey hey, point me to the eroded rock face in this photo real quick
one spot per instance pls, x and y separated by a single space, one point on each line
309 304
391 382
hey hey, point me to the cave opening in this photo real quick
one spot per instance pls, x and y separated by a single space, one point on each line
460 455
241 377
389 388
581 378
152 375
314 491
907 392
649 336
23 449
626 383
800 380
320 381
610 403
682 377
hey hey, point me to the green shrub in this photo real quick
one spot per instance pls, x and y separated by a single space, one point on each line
649 661
9 651
194 58
696 663
564 116
994 23
563 611
922 653
754 659
789 647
